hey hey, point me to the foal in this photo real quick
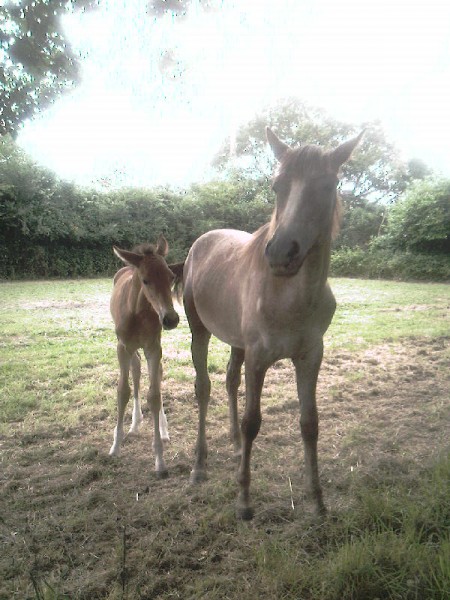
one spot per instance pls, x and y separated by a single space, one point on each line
141 305
267 296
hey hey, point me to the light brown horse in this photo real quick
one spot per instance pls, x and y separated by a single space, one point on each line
267 296
141 306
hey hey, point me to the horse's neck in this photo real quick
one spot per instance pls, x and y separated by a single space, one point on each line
134 290
314 271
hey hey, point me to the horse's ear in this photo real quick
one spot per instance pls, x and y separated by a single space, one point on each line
129 258
278 147
344 151
162 247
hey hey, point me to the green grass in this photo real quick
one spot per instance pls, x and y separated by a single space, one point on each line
372 312
58 344
57 347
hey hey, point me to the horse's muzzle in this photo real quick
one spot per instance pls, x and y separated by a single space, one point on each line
284 261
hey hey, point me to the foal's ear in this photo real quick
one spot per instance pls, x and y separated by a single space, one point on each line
344 151
129 258
278 147
177 269
162 247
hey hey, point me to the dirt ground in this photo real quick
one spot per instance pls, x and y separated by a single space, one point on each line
76 524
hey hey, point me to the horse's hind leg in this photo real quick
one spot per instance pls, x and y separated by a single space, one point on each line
137 416
123 395
233 382
307 371
153 356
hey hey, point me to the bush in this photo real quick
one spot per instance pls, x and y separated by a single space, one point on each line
420 220
383 263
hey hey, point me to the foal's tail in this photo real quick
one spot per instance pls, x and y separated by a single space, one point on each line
177 289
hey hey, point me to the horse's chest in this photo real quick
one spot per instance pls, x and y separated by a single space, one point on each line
286 327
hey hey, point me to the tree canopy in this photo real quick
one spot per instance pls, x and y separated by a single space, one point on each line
375 171
37 63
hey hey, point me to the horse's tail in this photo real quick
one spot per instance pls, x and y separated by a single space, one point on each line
177 286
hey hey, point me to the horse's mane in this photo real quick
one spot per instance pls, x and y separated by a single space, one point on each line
302 161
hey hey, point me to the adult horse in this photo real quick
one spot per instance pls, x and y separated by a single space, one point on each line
267 296
141 306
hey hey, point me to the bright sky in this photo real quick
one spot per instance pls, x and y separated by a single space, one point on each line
158 97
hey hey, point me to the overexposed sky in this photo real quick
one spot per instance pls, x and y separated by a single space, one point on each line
159 96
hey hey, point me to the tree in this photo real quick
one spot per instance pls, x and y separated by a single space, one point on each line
37 63
375 171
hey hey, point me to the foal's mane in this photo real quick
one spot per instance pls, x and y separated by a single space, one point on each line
309 160
146 249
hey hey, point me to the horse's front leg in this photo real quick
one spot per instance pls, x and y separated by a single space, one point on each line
307 371
233 382
123 395
251 423
153 355
200 342
137 416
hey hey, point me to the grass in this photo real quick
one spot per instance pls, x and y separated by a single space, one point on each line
392 544
75 524
386 311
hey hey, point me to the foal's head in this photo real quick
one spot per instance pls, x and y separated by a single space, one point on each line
307 206
155 277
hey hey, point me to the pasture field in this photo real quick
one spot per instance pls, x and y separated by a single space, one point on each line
76 524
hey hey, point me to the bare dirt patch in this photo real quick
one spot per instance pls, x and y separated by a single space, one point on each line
85 526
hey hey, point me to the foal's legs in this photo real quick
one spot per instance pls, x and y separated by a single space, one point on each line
233 382
137 416
153 355
251 423
199 347
307 371
123 395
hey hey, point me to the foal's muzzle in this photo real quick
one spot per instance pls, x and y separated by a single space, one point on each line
170 320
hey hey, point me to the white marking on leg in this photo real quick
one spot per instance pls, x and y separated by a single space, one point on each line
137 417
163 426
118 438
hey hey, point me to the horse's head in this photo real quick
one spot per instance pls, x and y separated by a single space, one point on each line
155 276
307 205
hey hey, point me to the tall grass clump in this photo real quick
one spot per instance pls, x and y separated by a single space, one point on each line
393 544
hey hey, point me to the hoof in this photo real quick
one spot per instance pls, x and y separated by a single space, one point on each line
245 513
114 452
162 474
198 477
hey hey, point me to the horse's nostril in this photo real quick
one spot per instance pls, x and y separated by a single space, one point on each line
294 250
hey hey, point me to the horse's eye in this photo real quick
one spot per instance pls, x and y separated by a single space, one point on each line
145 282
